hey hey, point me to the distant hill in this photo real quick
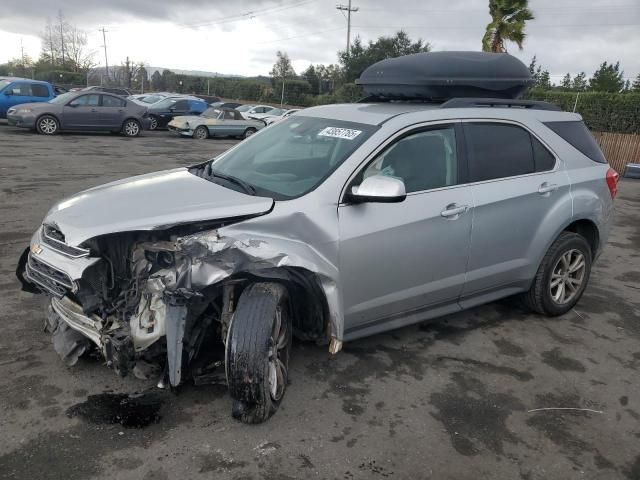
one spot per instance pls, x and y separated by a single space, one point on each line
196 73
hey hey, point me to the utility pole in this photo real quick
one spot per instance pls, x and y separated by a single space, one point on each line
348 9
104 41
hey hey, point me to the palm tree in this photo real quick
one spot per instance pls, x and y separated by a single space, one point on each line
508 22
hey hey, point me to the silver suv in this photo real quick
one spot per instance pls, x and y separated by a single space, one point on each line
339 222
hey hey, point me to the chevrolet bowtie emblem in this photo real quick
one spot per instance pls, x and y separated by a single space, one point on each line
35 248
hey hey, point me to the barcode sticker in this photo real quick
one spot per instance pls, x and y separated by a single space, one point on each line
336 132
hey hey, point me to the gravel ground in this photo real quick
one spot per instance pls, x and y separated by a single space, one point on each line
445 400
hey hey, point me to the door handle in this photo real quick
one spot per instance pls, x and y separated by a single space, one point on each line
454 210
547 188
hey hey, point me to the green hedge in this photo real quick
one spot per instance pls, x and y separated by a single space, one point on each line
67 77
602 112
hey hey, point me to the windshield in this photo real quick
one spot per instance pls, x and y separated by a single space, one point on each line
244 108
166 103
211 113
64 98
4 83
292 157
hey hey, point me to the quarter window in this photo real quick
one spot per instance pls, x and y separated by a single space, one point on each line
423 160
501 150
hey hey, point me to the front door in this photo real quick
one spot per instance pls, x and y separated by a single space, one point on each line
82 112
399 259
516 188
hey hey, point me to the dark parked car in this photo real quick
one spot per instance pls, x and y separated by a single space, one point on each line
83 110
226 105
161 113
123 92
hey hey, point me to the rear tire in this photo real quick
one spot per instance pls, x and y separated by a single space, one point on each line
248 132
562 276
153 123
47 125
257 352
201 133
131 128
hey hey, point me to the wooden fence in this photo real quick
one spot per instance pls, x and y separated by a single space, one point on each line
619 148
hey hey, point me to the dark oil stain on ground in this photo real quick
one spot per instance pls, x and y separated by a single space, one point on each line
130 411
556 360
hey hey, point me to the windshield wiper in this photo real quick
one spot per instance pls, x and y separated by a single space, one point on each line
248 188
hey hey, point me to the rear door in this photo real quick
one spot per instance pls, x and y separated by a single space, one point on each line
112 111
82 113
400 260
20 92
516 182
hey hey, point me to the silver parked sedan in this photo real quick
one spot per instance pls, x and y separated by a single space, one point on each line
83 110
215 122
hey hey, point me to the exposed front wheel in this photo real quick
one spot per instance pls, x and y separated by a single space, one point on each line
47 125
562 276
257 352
201 133
131 128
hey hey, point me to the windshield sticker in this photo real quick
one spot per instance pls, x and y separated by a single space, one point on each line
335 132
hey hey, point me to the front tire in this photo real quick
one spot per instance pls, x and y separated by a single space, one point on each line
562 276
257 352
47 125
131 128
201 133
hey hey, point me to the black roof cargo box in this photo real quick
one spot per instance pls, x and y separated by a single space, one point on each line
441 76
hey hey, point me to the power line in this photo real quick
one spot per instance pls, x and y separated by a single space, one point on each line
307 34
349 10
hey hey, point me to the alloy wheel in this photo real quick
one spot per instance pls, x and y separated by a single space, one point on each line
278 357
154 124
48 125
567 277
131 128
200 133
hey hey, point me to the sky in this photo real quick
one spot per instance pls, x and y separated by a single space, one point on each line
242 36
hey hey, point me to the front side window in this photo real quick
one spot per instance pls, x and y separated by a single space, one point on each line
211 113
39 90
109 101
228 115
86 101
21 89
423 161
291 158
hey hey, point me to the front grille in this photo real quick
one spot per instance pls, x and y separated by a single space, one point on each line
54 238
50 278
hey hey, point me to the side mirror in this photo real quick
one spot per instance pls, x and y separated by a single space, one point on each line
8 92
378 189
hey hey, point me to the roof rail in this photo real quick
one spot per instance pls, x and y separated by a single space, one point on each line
499 102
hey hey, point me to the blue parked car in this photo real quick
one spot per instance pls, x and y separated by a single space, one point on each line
15 91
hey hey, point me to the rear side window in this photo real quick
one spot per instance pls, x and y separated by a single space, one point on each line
577 134
38 90
109 101
498 151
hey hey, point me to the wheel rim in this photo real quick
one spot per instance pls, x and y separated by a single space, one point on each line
278 356
131 129
567 277
48 125
200 133
154 124
248 133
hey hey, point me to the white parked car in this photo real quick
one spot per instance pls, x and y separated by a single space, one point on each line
248 111
270 119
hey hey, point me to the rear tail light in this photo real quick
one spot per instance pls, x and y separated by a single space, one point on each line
612 182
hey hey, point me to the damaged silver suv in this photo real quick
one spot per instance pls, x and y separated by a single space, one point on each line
339 222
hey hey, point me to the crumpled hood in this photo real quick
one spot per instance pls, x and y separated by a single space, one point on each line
150 202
